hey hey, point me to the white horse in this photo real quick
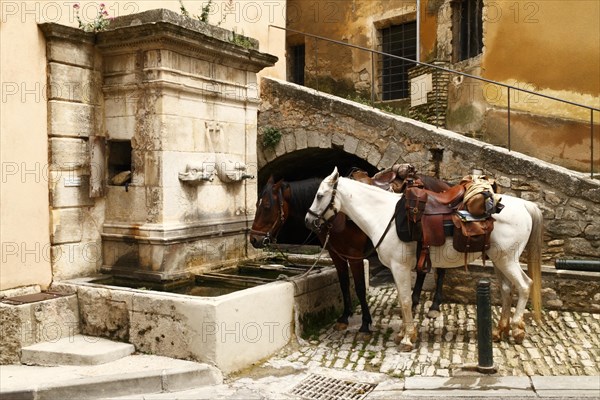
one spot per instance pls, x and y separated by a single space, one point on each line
518 226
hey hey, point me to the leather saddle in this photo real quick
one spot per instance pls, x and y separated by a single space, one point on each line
394 179
434 216
429 212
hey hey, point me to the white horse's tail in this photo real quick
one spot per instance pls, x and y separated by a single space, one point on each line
534 258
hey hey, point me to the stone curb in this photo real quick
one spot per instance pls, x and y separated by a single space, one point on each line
174 379
518 386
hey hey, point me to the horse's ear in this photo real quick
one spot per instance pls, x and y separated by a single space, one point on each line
271 180
335 175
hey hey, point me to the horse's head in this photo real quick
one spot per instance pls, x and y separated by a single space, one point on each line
325 206
271 213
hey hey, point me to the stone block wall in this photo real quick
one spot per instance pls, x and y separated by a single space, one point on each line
561 290
43 321
74 121
569 200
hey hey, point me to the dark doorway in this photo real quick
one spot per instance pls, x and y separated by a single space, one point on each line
298 65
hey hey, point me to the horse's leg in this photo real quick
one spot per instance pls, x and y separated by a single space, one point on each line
416 293
343 276
358 274
523 286
522 283
434 310
408 333
505 294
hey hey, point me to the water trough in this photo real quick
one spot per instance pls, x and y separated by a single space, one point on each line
229 318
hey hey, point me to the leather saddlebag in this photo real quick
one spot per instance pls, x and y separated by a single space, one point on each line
472 236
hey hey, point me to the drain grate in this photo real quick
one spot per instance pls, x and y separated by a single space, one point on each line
31 298
320 387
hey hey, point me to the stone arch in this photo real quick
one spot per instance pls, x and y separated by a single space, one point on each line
311 162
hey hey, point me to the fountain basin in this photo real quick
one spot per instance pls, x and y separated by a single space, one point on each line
231 331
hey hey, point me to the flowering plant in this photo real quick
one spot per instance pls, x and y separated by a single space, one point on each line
99 23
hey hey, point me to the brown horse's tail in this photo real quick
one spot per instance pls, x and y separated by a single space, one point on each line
534 258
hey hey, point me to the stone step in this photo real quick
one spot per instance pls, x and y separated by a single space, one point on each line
131 375
75 350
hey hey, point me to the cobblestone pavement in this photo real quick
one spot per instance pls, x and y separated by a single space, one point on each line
566 343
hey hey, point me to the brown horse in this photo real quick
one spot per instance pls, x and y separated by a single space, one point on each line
283 201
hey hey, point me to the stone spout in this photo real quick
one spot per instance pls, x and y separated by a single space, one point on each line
231 168
198 173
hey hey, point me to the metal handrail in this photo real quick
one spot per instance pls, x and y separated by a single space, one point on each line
479 78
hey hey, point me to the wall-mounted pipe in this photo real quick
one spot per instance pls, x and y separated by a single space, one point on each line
418 58
577 265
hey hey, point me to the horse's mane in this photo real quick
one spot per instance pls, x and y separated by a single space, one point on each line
303 193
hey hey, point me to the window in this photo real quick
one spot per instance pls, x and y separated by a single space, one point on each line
468 29
298 64
399 40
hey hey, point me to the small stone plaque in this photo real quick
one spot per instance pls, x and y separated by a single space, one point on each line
71 181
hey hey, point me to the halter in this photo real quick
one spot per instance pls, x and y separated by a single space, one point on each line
279 221
330 206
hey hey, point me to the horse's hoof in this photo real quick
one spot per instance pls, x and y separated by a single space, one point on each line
340 326
398 339
496 335
406 347
519 336
364 336
433 314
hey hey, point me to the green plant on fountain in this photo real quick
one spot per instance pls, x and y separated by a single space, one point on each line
236 38
203 17
99 23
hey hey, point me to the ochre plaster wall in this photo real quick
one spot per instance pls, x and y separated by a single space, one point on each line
24 232
25 228
549 46
340 69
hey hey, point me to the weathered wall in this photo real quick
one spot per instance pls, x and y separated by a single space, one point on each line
549 47
335 68
570 201
528 45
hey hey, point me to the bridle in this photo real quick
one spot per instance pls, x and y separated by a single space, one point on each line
330 206
268 235
320 218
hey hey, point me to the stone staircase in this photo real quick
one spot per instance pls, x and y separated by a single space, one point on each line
75 350
69 365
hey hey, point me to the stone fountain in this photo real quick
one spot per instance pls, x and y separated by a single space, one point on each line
180 103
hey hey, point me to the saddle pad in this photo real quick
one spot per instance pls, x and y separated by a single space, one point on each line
402 222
